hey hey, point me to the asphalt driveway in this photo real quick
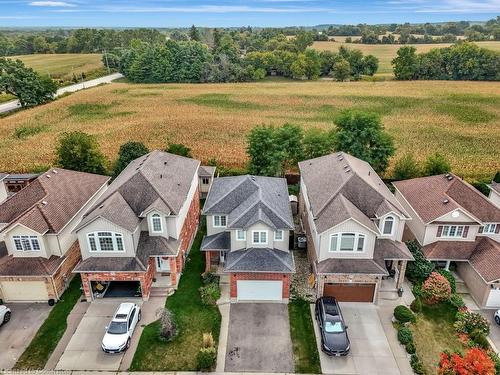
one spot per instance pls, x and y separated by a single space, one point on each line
17 334
259 338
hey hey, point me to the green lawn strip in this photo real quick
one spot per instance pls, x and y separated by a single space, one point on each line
434 333
192 319
46 339
222 101
305 351
6 98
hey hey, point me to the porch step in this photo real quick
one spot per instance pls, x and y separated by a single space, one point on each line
161 292
388 294
224 279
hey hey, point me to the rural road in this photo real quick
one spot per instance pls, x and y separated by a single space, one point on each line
9 106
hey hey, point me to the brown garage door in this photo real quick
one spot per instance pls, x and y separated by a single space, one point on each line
350 292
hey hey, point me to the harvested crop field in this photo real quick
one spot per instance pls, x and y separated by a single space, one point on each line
458 119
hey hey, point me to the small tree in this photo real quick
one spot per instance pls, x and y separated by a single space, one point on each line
318 142
436 289
420 269
80 152
436 164
168 328
406 63
179 149
129 151
475 362
194 34
289 140
405 168
265 156
341 70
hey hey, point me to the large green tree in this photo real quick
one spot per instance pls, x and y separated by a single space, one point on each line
318 142
25 84
361 134
129 151
265 157
406 63
79 151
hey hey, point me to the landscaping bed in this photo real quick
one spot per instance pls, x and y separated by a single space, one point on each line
192 318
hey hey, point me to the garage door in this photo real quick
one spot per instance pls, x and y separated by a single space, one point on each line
350 292
259 290
494 298
24 291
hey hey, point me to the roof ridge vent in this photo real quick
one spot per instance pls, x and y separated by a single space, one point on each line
48 175
253 178
450 177
54 171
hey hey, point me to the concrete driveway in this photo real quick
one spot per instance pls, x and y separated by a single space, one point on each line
84 349
17 334
370 350
494 328
259 338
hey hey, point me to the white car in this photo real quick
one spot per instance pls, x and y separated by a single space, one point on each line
4 314
497 317
119 332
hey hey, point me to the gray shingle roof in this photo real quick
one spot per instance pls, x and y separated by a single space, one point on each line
110 264
249 199
259 260
206 171
219 241
349 266
328 177
156 245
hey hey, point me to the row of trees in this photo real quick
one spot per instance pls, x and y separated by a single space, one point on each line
462 61
370 37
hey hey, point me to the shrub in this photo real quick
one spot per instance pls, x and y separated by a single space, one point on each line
167 325
205 358
208 340
421 268
457 301
436 164
451 279
416 305
405 168
403 314
475 361
79 151
410 348
178 149
416 365
479 339
209 278
468 322
416 289
128 152
209 293
496 360
404 335
436 289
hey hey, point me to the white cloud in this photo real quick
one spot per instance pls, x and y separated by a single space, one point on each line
51 4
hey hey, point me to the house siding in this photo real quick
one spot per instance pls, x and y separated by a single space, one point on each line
416 225
495 198
20 230
479 289
431 232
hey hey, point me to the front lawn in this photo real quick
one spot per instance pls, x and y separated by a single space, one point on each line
434 333
305 351
46 339
192 319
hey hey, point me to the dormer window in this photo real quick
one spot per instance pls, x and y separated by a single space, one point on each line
352 242
388 227
205 181
156 223
490 228
219 221
26 243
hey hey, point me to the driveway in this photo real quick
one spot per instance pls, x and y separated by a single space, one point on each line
17 334
370 350
494 328
259 338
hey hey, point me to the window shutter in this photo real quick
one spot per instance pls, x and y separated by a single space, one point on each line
466 231
497 230
481 229
440 230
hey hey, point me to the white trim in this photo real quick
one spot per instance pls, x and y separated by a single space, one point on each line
282 235
493 225
152 221
244 235
338 242
260 233
220 220
30 239
459 208
114 236
342 222
456 231
392 226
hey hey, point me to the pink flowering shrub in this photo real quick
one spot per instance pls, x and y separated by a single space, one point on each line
436 289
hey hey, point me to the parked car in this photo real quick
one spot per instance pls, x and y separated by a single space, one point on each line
5 314
497 317
119 332
334 338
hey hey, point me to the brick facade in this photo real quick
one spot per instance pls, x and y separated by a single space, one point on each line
234 277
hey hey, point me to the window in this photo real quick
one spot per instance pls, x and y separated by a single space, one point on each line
490 228
259 237
205 181
452 231
219 221
156 223
388 225
26 243
347 242
241 235
278 235
105 241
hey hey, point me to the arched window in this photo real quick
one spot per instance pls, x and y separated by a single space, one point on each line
388 225
156 222
105 241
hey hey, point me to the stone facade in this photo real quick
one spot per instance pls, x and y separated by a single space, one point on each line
234 277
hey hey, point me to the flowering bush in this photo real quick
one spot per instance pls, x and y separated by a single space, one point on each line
436 289
475 362
470 322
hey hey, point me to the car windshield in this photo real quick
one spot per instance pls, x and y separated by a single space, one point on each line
334 327
117 328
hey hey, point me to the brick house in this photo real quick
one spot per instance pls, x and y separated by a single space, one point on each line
37 223
456 224
249 220
136 237
354 227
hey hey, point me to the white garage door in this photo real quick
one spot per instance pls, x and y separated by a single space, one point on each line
24 291
259 290
494 298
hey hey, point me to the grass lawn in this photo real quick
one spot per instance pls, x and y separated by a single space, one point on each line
433 333
6 98
46 339
305 351
192 319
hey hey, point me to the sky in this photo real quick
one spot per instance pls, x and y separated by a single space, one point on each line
227 13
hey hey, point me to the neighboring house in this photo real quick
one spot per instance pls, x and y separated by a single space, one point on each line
354 227
3 188
37 223
138 234
12 183
456 223
248 229
495 193
206 174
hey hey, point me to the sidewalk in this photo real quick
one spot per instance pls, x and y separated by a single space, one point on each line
224 306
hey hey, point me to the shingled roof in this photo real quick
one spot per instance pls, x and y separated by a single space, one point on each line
250 199
51 201
340 186
434 196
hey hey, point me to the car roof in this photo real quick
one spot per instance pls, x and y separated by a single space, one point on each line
124 308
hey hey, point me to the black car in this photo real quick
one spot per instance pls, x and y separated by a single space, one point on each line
334 339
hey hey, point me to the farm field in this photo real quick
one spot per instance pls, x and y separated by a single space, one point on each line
459 119
386 52
62 66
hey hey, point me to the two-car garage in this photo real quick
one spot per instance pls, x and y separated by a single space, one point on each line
23 291
259 287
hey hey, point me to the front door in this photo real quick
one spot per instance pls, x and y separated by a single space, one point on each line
222 257
162 264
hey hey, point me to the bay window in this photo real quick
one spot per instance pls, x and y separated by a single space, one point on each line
259 237
26 243
105 241
347 242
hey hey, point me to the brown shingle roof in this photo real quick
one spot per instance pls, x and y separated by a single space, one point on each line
348 266
29 266
449 250
486 259
51 201
495 186
434 196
